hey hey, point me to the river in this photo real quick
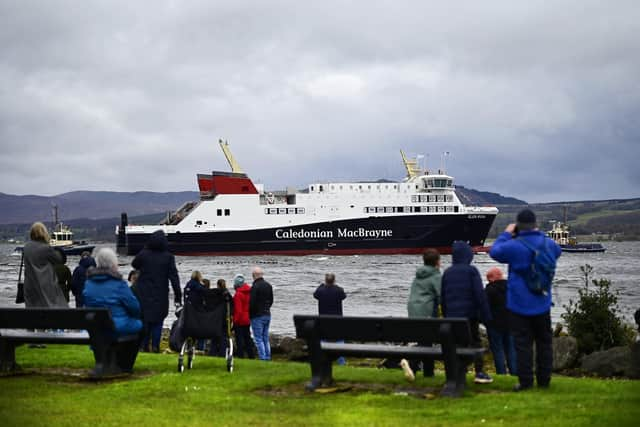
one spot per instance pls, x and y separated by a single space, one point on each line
375 284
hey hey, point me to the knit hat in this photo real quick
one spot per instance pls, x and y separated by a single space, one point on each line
494 273
526 219
238 281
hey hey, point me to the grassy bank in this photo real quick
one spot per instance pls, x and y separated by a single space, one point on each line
53 392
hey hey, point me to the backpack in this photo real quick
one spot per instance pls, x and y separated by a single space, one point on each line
538 275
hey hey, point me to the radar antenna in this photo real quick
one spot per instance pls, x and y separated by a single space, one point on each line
413 170
235 167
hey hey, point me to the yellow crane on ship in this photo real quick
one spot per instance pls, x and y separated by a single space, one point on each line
413 170
235 167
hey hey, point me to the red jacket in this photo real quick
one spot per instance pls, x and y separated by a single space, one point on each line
241 306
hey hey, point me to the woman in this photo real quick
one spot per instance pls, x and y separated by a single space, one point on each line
194 289
241 323
105 287
40 281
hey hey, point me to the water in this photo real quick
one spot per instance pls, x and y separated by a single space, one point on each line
375 284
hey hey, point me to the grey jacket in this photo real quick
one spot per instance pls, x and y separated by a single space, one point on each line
40 282
425 292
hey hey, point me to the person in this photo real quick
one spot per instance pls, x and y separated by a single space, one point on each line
133 278
424 298
530 318
105 287
193 291
80 275
260 302
463 296
220 344
157 268
63 274
40 282
241 323
330 297
500 339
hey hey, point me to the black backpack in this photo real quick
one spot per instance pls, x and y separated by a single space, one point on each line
538 275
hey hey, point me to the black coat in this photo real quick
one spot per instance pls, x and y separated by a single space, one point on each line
497 297
261 298
329 299
157 268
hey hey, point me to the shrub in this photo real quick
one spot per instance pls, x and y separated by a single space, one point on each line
593 319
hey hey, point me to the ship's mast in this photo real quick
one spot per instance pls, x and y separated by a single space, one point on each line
235 167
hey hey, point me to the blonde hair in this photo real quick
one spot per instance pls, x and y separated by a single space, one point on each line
196 275
39 232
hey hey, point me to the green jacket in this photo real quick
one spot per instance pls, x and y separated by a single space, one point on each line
425 292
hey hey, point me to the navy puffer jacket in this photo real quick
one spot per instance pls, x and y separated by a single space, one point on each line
157 268
462 291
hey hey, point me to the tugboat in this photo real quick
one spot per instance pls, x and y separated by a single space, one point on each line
234 216
560 234
62 237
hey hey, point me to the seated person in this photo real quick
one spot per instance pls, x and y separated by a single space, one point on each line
105 287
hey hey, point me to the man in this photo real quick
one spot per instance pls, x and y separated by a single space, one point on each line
424 298
80 276
463 296
500 339
330 297
530 312
260 302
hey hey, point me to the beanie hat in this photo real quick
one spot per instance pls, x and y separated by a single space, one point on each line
526 216
238 281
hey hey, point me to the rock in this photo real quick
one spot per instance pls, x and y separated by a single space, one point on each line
617 361
565 352
291 348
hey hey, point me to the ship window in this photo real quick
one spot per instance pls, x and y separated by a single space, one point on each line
351 187
440 208
400 209
219 212
449 183
430 183
424 198
341 187
291 210
395 186
312 188
282 211
407 208
266 211
273 211
300 210
198 222
368 187
416 186
440 198
227 212
378 186
321 188
414 199
379 209
388 209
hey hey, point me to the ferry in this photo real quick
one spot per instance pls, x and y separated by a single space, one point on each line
236 216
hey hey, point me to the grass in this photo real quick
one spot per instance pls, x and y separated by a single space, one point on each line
584 218
52 393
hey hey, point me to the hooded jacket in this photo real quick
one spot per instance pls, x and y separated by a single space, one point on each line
80 275
425 292
40 282
510 251
157 268
462 291
104 288
241 305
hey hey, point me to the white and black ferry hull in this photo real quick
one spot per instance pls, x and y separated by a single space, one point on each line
407 234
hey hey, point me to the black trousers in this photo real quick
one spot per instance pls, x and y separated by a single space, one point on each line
244 343
474 327
526 330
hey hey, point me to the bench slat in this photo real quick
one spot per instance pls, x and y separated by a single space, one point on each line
24 336
350 349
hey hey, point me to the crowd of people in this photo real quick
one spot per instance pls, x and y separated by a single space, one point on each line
514 314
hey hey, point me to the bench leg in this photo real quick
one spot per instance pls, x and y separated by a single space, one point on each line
105 352
8 357
321 369
455 368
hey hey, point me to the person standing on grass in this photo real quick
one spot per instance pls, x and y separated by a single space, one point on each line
260 302
500 339
463 296
63 274
80 276
241 322
330 297
424 298
530 318
157 268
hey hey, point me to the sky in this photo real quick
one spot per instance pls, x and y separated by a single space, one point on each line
534 99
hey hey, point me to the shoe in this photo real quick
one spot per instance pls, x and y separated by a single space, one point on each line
408 372
482 378
543 385
519 387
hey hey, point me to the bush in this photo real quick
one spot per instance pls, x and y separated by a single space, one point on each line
593 319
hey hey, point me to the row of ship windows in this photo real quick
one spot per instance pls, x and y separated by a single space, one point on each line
359 187
283 211
432 198
409 209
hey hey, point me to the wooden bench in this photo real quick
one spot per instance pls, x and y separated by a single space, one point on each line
92 326
370 335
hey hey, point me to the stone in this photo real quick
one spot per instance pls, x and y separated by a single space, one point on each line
290 348
615 362
565 352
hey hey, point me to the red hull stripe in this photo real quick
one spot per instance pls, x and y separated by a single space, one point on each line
396 251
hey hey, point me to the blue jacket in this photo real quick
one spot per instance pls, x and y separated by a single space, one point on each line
508 250
103 289
329 299
462 292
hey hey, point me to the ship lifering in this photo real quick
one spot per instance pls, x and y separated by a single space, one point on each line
270 199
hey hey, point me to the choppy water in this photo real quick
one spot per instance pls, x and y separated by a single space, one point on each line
375 284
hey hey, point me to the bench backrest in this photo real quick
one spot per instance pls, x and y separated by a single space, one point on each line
380 329
56 318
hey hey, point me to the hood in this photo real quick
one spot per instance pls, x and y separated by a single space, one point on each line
87 262
102 274
425 271
244 289
158 241
461 253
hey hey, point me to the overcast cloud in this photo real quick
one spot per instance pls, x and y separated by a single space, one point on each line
535 99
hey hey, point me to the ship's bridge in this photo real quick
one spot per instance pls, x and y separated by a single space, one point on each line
436 182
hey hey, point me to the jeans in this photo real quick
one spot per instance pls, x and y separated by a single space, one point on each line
526 330
502 347
243 341
260 326
153 332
